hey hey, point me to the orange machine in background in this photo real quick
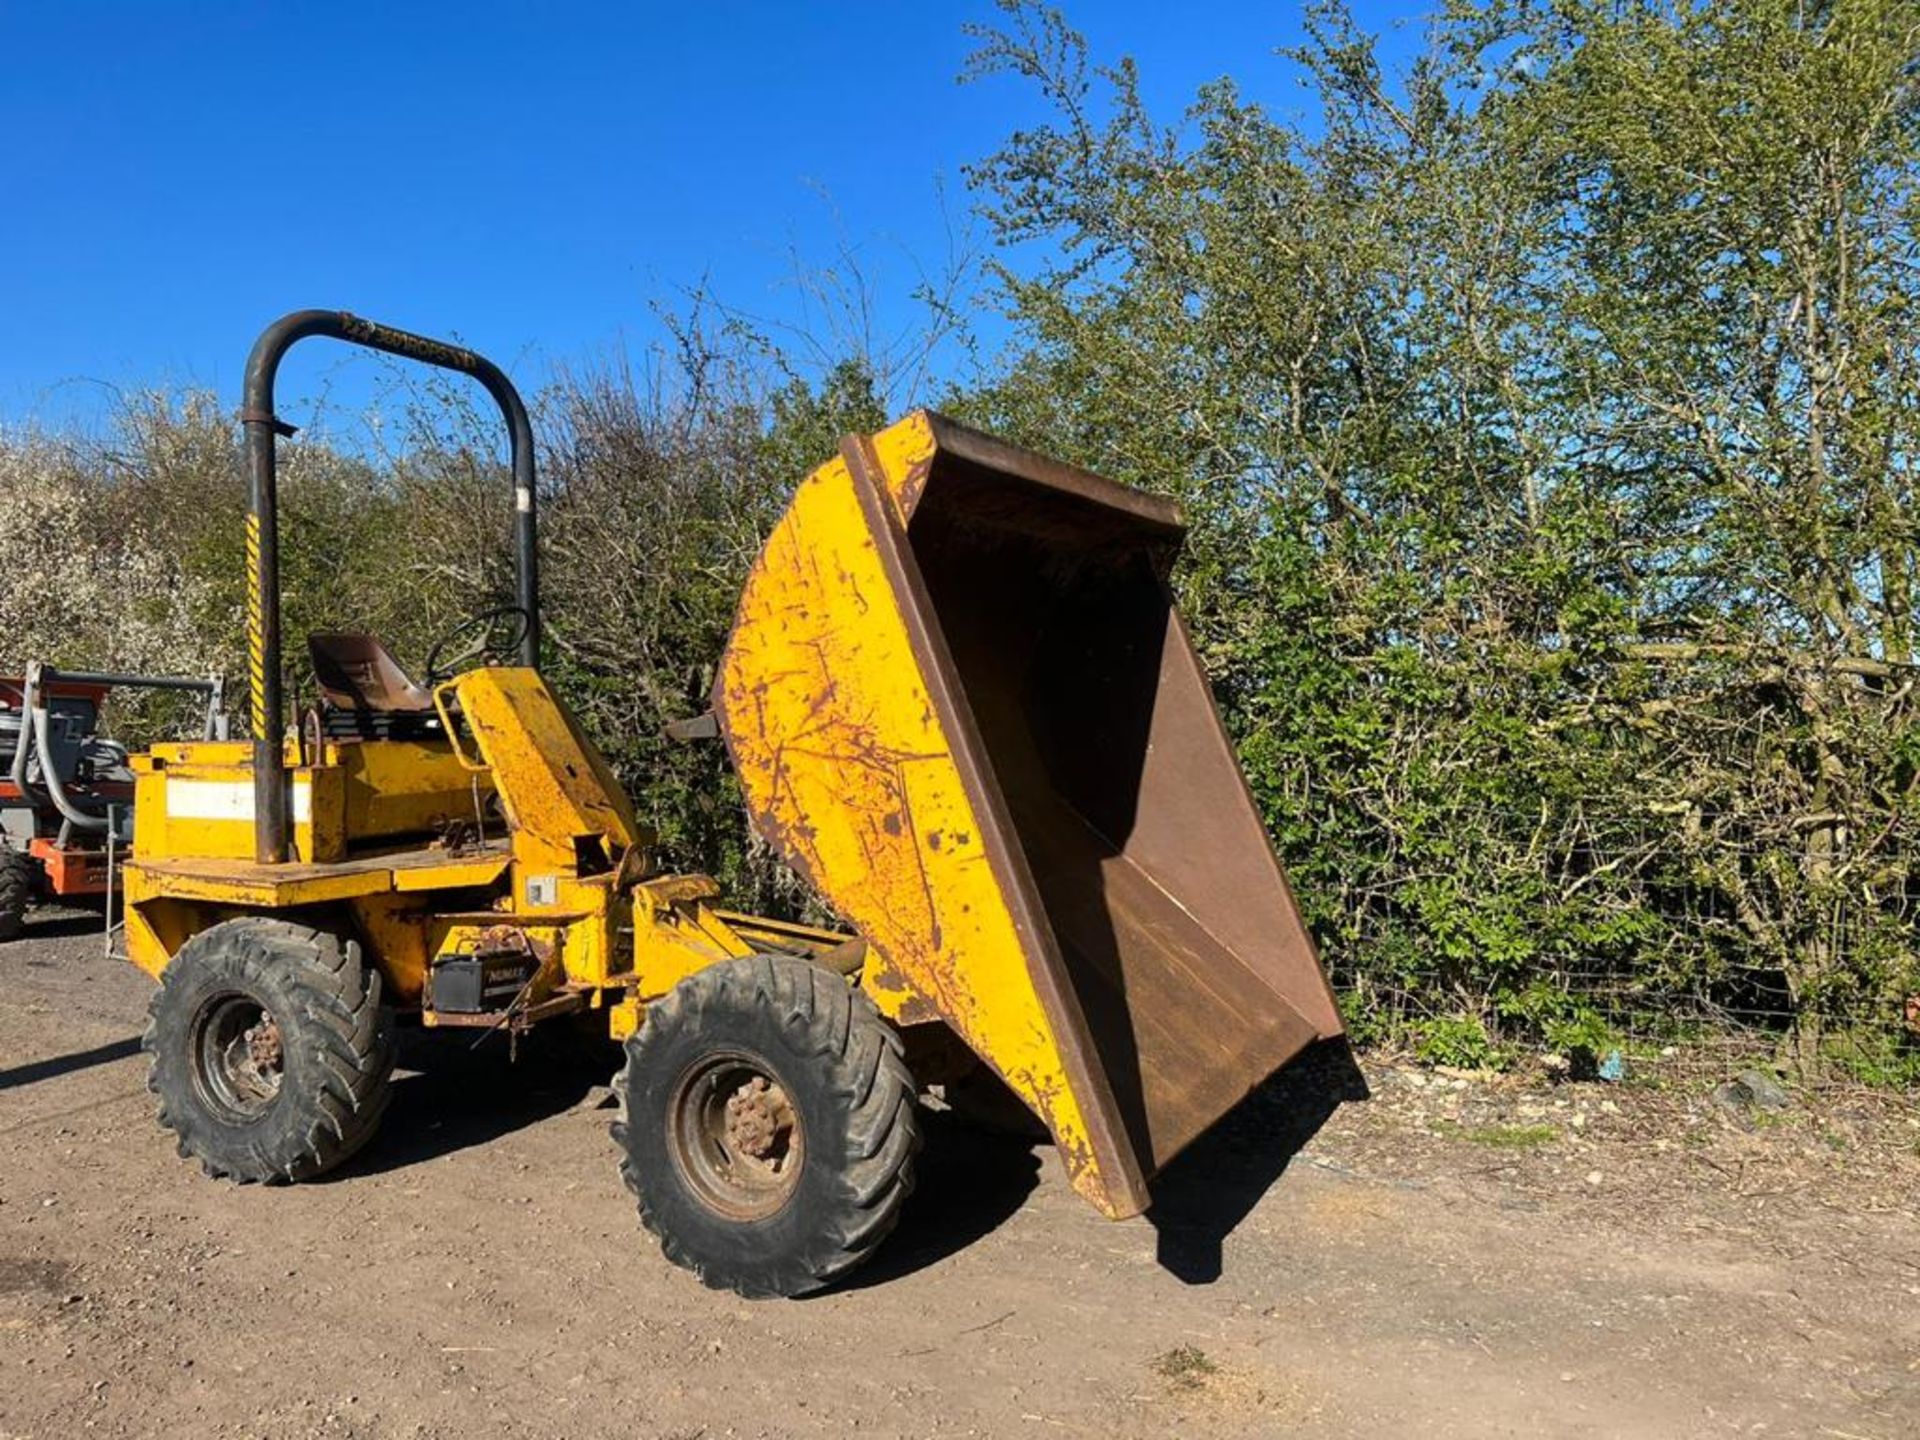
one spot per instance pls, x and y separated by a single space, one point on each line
66 794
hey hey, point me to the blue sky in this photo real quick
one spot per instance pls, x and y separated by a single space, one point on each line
526 176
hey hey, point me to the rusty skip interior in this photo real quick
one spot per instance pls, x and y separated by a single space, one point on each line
1173 927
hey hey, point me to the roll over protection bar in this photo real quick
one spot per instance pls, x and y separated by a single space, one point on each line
267 710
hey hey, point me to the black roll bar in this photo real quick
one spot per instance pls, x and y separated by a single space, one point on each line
268 709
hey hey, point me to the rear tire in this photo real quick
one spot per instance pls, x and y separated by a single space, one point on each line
16 891
768 1126
272 1056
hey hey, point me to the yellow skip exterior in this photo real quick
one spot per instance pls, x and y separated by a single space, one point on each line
852 776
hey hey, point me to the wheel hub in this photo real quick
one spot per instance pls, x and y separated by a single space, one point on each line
263 1046
759 1119
239 1057
736 1136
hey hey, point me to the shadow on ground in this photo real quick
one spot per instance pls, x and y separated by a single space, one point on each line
451 1093
62 925
969 1180
1202 1197
449 1096
973 1177
66 1064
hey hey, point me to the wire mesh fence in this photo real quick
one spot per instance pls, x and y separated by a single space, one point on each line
1555 939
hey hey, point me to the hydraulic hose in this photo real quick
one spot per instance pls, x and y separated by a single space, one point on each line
23 748
50 777
17 767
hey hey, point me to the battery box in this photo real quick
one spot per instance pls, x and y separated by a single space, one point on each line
474 984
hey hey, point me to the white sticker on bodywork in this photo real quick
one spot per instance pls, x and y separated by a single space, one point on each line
228 800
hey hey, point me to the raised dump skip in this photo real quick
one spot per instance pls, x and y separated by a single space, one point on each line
961 701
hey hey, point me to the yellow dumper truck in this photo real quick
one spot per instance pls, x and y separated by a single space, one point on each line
960 703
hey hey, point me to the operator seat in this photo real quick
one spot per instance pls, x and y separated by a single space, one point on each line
364 694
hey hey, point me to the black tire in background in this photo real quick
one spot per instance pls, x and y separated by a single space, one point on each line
16 891
768 1125
271 1053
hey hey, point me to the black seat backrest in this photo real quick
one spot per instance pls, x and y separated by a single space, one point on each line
364 694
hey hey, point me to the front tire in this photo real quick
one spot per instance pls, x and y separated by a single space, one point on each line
16 891
272 1056
768 1125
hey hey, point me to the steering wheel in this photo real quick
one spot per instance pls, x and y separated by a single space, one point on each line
492 635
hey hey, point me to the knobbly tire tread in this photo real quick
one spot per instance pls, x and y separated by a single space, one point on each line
337 1039
842 1066
16 892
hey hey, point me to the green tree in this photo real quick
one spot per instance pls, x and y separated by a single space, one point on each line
1543 413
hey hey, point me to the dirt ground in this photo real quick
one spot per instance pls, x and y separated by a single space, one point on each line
1455 1256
